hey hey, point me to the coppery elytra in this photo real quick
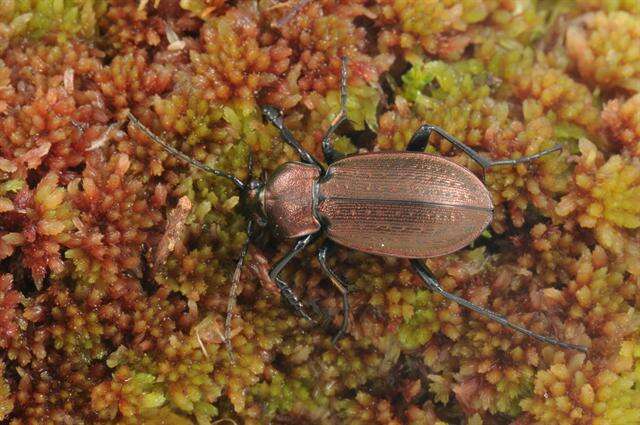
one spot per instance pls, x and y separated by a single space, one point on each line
409 204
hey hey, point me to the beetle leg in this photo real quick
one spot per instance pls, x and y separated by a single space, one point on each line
420 139
231 303
327 145
285 290
340 286
274 116
525 159
433 285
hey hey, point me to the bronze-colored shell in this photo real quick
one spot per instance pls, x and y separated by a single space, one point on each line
288 200
403 204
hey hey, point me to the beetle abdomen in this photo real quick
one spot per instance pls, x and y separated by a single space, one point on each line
403 204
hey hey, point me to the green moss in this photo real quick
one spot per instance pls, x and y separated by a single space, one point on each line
623 404
13 185
36 18
279 395
419 321
177 376
457 96
441 80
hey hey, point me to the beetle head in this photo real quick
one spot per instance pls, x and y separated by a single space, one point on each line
254 201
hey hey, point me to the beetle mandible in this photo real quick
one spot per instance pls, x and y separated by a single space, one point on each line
409 204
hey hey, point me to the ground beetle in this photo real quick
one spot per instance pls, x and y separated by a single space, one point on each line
403 204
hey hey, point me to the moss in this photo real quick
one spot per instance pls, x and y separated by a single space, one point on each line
418 319
35 18
456 94
6 399
9 299
445 32
610 5
604 49
622 120
202 8
96 326
610 398
607 207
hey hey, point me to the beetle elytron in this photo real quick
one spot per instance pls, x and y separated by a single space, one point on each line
403 204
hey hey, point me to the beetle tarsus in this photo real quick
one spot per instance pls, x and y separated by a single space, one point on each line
274 274
292 299
273 115
433 285
330 155
235 280
526 159
420 140
340 286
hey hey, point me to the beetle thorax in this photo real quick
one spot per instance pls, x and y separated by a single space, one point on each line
288 200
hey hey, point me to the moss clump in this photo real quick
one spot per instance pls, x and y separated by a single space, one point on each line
582 394
607 203
610 5
622 120
97 326
440 28
604 49
35 18
6 398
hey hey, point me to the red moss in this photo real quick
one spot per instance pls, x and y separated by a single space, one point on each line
9 300
233 63
622 120
114 210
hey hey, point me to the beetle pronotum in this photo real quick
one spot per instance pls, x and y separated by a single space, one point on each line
409 204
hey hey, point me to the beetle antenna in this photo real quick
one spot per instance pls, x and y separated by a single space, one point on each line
173 151
432 283
250 166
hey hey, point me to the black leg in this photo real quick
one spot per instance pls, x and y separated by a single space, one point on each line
231 303
275 117
327 146
340 286
285 290
433 285
249 166
420 139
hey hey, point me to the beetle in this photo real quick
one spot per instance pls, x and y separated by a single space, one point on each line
409 204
